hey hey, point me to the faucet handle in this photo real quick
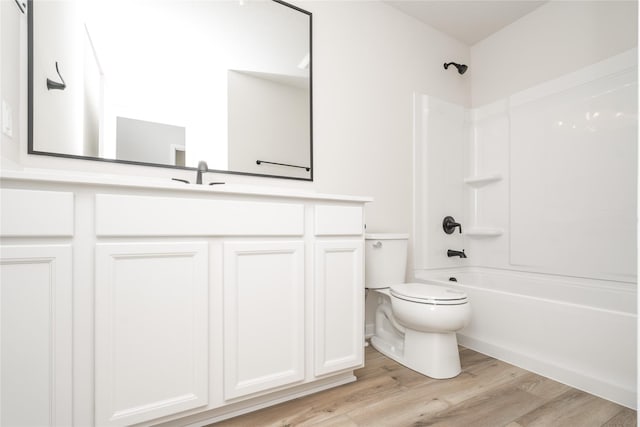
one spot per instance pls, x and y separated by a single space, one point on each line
449 225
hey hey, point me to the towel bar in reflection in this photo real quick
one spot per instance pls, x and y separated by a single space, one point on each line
283 164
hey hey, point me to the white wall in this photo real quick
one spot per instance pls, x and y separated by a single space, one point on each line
93 95
59 113
555 39
12 23
142 141
368 60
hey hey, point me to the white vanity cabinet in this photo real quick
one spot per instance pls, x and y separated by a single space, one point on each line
338 306
338 288
264 313
36 308
167 305
151 330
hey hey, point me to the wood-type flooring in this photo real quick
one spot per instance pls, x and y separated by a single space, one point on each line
488 393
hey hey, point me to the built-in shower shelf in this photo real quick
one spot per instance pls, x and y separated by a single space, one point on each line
484 232
480 180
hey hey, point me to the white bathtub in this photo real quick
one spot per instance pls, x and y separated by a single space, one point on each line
580 332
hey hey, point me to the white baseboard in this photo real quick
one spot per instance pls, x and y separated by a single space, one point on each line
562 374
240 408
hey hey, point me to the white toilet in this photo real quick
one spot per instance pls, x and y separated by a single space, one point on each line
415 323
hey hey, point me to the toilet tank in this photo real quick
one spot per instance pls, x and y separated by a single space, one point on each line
385 259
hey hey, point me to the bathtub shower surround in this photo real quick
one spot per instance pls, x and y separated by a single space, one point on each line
545 183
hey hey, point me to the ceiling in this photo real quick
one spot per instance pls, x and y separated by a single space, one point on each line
467 21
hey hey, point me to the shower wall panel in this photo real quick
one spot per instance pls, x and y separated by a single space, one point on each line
441 132
573 169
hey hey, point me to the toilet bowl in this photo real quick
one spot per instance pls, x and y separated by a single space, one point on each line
415 323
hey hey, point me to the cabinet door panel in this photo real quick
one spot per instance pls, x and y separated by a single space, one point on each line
339 300
264 316
35 335
151 330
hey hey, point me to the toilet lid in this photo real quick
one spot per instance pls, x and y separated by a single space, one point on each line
428 294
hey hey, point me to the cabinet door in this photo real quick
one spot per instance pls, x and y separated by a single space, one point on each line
151 330
263 316
339 300
35 335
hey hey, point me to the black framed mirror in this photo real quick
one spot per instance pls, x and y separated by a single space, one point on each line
172 82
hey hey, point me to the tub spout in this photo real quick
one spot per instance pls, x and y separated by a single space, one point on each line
451 252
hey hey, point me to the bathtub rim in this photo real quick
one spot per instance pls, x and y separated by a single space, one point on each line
624 293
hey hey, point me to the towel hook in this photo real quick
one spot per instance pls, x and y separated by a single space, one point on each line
21 6
56 85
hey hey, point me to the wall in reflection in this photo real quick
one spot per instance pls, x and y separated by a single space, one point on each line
268 120
167 62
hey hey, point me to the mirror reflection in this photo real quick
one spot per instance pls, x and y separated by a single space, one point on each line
173 82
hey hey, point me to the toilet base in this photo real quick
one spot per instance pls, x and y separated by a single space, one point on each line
432 354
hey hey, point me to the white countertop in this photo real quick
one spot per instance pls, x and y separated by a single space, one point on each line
80 178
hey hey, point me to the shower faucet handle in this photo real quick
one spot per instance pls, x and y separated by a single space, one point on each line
449 225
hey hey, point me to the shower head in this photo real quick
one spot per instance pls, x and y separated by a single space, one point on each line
461 67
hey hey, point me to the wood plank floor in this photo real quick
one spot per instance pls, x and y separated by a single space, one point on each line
488 393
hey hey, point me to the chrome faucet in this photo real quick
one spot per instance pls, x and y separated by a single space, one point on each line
451 252
202 168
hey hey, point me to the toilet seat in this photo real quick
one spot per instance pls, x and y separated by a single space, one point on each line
428 294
